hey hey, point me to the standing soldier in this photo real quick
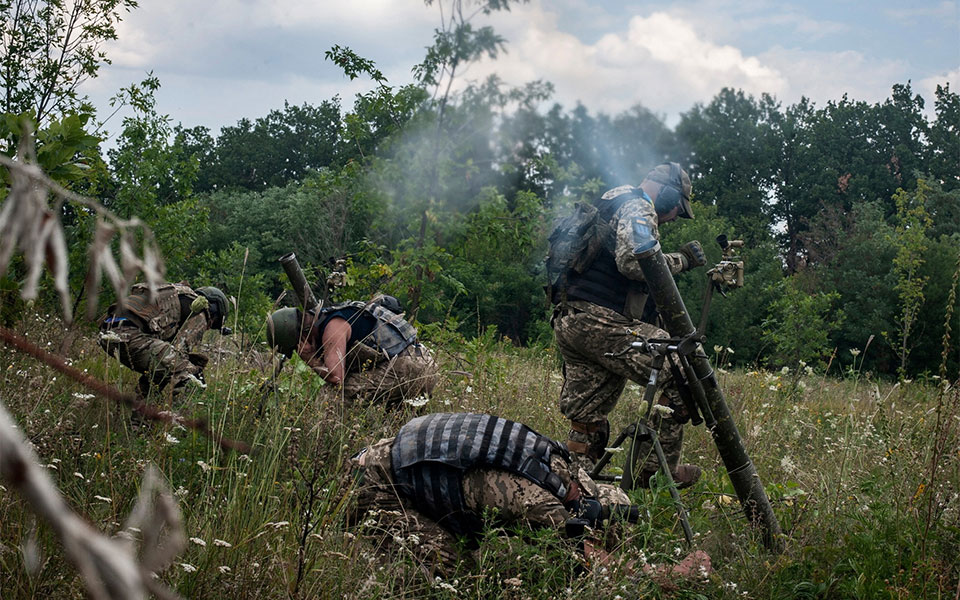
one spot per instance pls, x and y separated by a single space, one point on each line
598 293
159 339
368 348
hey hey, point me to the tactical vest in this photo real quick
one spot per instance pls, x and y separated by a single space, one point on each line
392 335
163 316
431 454
601 281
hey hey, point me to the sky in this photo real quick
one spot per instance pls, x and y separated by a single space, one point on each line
222 60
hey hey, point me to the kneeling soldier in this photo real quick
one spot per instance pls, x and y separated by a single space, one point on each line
160 339
366 347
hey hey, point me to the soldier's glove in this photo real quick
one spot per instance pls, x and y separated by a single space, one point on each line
693 254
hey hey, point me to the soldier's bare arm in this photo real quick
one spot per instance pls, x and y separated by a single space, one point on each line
335 335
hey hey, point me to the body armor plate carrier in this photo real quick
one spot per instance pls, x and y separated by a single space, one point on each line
431 453
162 317
392 335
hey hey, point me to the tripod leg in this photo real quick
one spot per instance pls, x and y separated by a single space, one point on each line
681 509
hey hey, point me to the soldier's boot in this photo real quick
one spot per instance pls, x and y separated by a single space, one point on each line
683 476
587 442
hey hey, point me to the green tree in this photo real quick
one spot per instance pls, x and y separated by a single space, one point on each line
152 177
733 152
910 236
49 47
799 323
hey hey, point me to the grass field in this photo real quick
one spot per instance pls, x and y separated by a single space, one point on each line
864 476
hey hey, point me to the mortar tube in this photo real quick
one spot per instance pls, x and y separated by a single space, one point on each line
299 281
741 470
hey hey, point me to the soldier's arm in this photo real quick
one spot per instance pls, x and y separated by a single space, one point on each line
637 232
335 336
190 334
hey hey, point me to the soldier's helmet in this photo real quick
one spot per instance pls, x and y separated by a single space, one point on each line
218 301
389 302
677 188
283 330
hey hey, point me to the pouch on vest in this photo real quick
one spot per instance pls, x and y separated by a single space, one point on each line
575 242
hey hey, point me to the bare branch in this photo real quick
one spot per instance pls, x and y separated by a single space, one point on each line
108 566
28 224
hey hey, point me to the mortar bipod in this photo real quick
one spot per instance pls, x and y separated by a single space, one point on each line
641 431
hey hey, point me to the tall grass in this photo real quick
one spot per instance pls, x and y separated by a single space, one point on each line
847 463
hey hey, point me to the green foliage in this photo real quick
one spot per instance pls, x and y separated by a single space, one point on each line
911 240
49 48
65 149
799 323
153 178
228 270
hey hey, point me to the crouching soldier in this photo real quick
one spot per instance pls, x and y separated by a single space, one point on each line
368 349
159 339
431 484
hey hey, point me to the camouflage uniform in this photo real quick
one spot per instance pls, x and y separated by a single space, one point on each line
409 374
158 339
395 527
595 340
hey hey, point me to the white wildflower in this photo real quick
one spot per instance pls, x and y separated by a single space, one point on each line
802 385
787 464
204 466
809 370
613 450
224 569
191 378
188 567
854 352
785 371
198 541
514 581
103 499
417 402
413 539
730 350
170 439
718 349
772 388
222 543
278 524
443 585
469 389
80 396
79 476
663 411
803 363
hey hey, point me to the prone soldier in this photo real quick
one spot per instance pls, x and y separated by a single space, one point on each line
435 480
160 338
599 295
368 348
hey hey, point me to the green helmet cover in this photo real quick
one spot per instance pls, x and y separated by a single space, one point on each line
218 298
283 330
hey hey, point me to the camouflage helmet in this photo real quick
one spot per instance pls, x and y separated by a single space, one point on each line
283 330
676 190
217 298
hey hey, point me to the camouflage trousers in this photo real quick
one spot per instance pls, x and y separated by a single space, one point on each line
409 374
394 527
157 361
597 362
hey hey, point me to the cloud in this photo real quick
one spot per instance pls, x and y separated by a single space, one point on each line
660 61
